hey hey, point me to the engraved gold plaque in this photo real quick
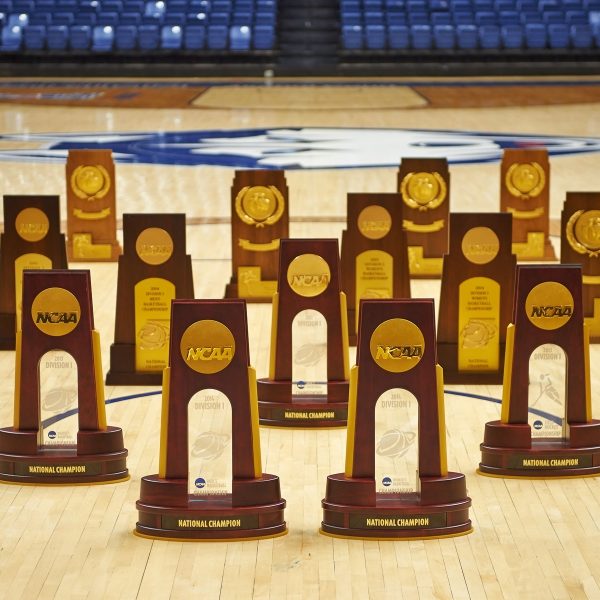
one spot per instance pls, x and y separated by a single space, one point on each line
308 275
90 182
32 224
525 180
374 276
397 345
480 245
259 205
374 222
207 346
154 246
549 305
55 311
423 191
583 232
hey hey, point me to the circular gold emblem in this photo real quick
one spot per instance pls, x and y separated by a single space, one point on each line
207 346
549 305
259 205
583 232
308 275
90 182
397 345
154 246
424 191
55 311
374 222
32 224
480 245
525 180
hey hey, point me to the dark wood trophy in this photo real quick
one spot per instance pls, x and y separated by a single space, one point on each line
525 193
425 187
308 373
58 372
91 206
210 483
31 240
259 219
396 483
374 253
476 298
580 243
546 378
153 270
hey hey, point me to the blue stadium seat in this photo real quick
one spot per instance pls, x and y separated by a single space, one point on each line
443 37
264 37
512 36
352 37
241 18
375 37
264 18
217 37
57 37
531 17
80 37
509 17
17 20
194 37
420 36
174 19
85 19
576 17
441 18
466 36
396 18
134 6
398 37
535 35
148 37
130 18
373 18
11 38
504 5
558 35
464 18
111 6
171 37
102 38
63 18
40 19
219 18
485 18
419 18
155 8
126 37
34 37
581 36
108 18
352 18
240 38
489 37
553 16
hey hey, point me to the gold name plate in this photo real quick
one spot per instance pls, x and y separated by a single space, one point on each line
250 284
549 462
397 521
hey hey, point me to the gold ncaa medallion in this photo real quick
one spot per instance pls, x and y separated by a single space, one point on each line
55 311
32 224
374 222
308 275
397 345
207 346
90 182
480 245
259 205
525 180
154 246
583 232
549 305
424 191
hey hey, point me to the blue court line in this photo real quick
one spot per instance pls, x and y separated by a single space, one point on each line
74 411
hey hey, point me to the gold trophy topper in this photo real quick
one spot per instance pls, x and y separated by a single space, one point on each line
423 191
259 205
90 182
525 180
583 232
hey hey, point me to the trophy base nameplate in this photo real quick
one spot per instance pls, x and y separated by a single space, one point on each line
507 450
100 457
422 267
167 511
7 331
537 248
351 509
82 249
447 358
250 286
278 407
124 355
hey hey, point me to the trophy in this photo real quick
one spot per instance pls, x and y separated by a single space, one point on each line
153 270
580 243
308 370
476 298
31 240
58 372
259 219
425 187
210 483
91 206
374 253
546 378
525 193
396 482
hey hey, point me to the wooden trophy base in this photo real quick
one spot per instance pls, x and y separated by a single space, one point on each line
166 511
98 458
122 368
352 509
423 267
447 358
508 451
538 247
232 290
7 331
84 249
279 408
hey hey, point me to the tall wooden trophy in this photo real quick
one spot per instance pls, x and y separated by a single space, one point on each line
525 193
210 483
396 483
425 187
308 374
31 240
546 377
374 253
153 270
476 298
58 371
259 219
580 243
91 206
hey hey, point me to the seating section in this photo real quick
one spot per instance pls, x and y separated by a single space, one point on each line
450 25
138 26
